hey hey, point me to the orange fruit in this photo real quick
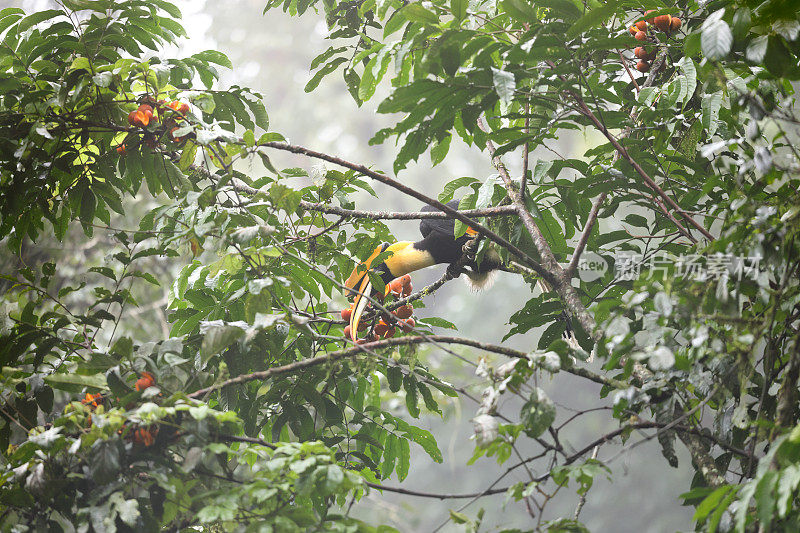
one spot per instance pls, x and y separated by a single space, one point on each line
396 286
662 22
641 25
380 328
642 66
407 324
146 380
675 24
640 36
404 311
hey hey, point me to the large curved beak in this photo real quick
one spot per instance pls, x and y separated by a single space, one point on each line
359 285
359 274
359 305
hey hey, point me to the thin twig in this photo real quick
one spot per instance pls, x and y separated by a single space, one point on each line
587 230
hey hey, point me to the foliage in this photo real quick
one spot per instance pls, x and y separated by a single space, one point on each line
252 412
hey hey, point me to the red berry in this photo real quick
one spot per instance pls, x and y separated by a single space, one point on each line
640 36
407 324
348 333
641 25
347 313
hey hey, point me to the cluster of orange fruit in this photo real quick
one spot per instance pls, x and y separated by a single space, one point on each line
665 23
145 436
142 116
145 381
141 435
92 400
145 114
385 327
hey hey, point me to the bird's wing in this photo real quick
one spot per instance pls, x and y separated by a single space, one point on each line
444 226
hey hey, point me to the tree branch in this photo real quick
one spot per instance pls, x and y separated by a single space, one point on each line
386 180
503 210
558 281
387 343
487 492
639 170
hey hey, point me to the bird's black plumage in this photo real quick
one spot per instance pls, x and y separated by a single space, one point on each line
438 236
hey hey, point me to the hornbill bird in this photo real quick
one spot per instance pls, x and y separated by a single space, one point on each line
438 245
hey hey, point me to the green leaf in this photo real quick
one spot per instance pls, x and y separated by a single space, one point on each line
757 49
467 202
38 17
538 413
459 9
75 382
716 37
324 71
218 337
593 18
504 85
412 399
104 461
88 207
520 10
213 56
787 484
390 446
745 495
765 499
415 12
451 187
439 150
438 322
711 104
710 503
687 67
403 459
